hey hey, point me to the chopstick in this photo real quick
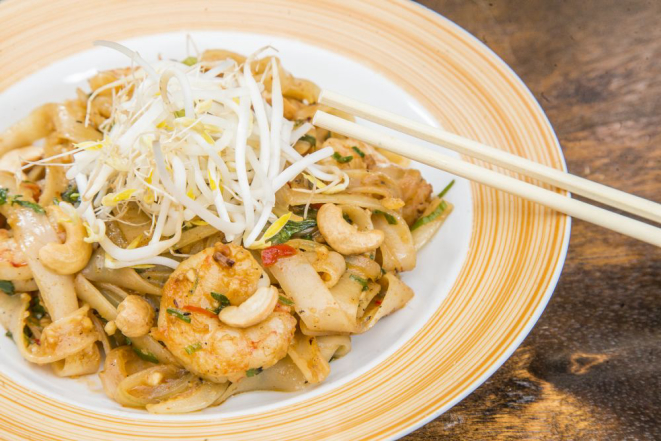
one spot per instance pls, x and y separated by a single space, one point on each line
564 204
548 175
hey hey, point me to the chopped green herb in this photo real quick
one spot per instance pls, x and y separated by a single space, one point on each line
7 287
179 113
3 196
446 189
292 228
56 201
37 310
189 61
440 208
145 355
285 301
254 371
179 314
358 151
193 348
383 272
71 195
389 217
309 139
347 218
360 280
27 204
8 334
223 301
342 159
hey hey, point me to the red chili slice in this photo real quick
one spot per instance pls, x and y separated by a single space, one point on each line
271 254
200 310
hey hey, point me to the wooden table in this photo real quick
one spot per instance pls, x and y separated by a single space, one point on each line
591 367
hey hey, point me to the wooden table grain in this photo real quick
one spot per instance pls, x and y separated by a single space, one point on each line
591 367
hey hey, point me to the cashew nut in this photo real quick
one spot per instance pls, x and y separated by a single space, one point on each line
252 311
344 237
72 255
135 316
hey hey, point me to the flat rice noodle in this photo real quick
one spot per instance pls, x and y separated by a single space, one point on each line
56 181
70 126
13 312
398 241
396 294
306 355
313 301
103 337
142 388
96 271
85 362
330 265
25 285
366 297
347 293
133 223
193 235
149 344
200 396
33 231
334 346
120 363
36 125
13 264
60 339
292 197
93 297
423 234
285 375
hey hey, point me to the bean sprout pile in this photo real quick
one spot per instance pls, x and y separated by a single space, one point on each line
192 143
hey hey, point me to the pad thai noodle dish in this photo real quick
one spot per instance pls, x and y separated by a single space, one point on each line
184 231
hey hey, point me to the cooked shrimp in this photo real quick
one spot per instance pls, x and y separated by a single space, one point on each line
13 264
415 191
189 326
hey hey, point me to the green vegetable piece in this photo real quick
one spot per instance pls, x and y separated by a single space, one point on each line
3 196
37 310
309 139
190 349
179 314
342 159
189 61
360 280
8 334
389 217
223 301
291 228
71 195
285 301
179 113
440 208
446 189
7 287
254 371
146 355
15 200
358 151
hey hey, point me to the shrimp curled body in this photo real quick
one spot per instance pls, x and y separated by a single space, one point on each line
194 334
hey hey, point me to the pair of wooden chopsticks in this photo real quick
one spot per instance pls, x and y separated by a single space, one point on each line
557 178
